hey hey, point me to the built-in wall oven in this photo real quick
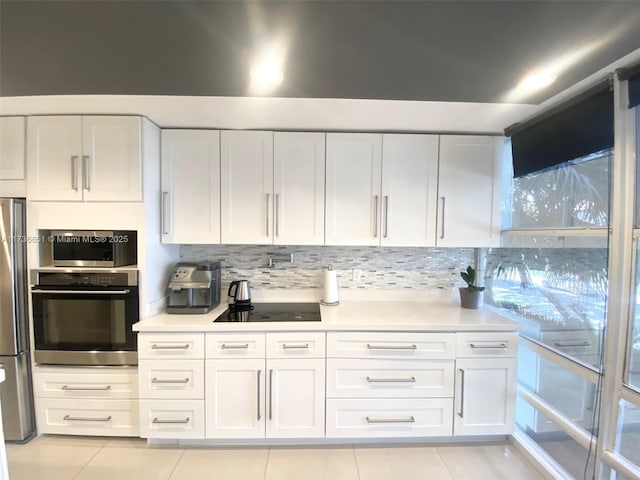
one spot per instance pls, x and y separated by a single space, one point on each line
84 317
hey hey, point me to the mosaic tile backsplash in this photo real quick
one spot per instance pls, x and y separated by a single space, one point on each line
377 268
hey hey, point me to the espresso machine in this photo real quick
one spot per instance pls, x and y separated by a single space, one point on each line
194 287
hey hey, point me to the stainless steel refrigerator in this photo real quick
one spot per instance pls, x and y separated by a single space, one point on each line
16 392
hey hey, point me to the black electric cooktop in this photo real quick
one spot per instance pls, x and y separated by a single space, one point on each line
272 312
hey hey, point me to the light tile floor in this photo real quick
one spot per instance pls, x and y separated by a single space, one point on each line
89 458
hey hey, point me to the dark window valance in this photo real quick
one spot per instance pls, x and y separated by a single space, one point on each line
579 127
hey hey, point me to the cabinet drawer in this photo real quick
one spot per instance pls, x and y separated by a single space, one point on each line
235 345
97 383
385 418
171 345
171 379
390 345
487 344
172 418
114 418
368 378
296 344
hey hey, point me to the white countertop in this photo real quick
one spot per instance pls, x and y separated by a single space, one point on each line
386 313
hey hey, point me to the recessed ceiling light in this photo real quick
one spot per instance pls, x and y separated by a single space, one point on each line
267 73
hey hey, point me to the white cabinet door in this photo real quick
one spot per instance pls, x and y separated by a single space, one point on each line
298 188
12 148
485 396
295 406
234 398
111 158
246 187
469 191
353 203
191 186
96 158
54 158
409 189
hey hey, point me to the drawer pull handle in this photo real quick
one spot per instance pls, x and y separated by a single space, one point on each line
68 388
170 380
87 419
391 380
294 347
494 346
170 347
572 344
410 419
391 347
157 420
235 347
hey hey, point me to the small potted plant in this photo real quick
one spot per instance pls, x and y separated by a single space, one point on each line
470 295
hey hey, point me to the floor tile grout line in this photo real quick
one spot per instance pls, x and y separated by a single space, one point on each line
266 466
444 462
88 462
355 459
173 470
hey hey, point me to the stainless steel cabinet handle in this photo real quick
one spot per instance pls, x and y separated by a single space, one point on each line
277 214
74 172
391 380
267 213
224 346
258 400
489 346
286 346
461 412
170 380
572 344
165 208
156 420
386 215
169 347
87 419
410 419
85 172
391 347
68 388
270 394
83 292
442 224
375 216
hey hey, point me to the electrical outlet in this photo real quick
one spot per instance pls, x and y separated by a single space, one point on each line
355 274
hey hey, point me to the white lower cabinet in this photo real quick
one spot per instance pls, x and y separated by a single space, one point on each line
486 384
172 419
386 418
235 398
391 384
280 397
86 401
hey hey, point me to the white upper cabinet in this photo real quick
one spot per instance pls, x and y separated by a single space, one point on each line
272 187
469 191
409 190
94 158
246 187
12 147
381 189
12 157
298 188
191 186
354 169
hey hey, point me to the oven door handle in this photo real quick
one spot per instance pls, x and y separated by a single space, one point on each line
84 292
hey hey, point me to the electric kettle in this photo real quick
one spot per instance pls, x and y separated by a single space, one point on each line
239 290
